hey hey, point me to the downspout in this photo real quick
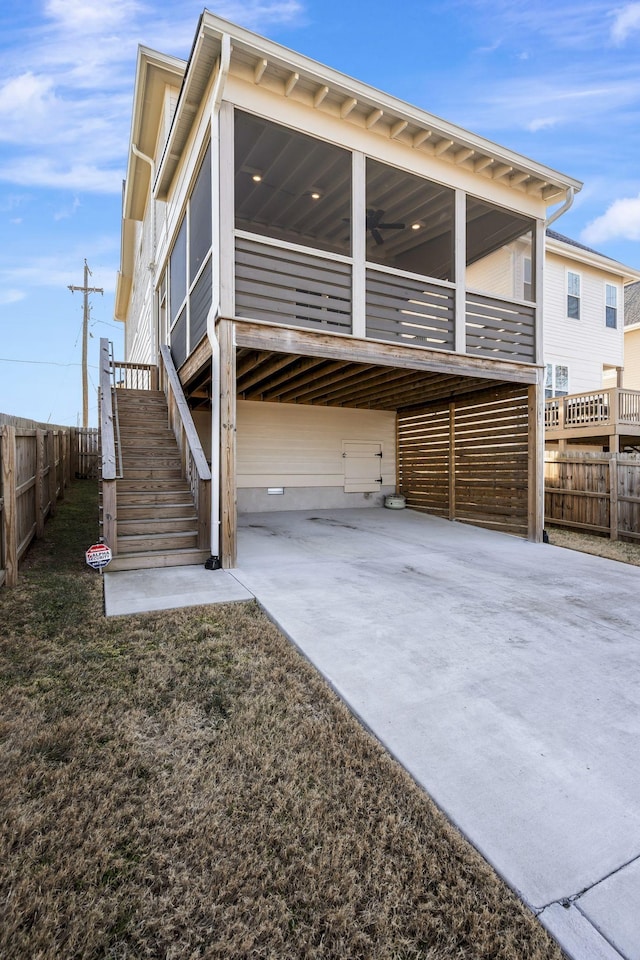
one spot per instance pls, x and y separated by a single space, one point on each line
213 562
152 264
562 209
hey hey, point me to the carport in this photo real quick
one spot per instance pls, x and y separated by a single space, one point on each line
501 673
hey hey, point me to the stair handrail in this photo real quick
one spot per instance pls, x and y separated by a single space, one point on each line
194 462
109 470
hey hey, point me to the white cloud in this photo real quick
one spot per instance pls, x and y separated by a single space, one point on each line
541 123
8 296
620 222
77 177
626 22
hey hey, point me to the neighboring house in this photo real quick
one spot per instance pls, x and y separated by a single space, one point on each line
584 322
631 378
349 287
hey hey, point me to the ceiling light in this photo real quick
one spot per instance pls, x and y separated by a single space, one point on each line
257 177
416 226
315 194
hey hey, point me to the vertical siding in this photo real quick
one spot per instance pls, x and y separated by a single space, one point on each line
584 345
294 445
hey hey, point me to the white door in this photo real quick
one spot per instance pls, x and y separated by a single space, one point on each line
362 465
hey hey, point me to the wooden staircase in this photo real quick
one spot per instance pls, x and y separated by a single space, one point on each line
157 522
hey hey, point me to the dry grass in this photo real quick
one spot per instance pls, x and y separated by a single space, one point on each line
183 785
599 546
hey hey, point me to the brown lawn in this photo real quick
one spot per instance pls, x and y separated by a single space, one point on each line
184 785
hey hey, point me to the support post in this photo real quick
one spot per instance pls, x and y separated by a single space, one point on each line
613 496
51 461
358 248
452 461
228 500
460 270
535 462
10 510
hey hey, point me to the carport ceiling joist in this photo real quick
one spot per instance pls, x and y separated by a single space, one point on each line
291 378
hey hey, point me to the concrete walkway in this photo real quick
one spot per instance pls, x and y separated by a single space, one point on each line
503 675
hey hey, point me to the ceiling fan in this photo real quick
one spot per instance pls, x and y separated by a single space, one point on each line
376 223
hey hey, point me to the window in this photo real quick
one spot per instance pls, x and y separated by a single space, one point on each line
409 222
499 243
556 380
611 305
290 186
573 295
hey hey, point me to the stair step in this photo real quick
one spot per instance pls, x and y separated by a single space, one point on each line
146 560
152 525
163 542
138 485
150 460
150 472
146 508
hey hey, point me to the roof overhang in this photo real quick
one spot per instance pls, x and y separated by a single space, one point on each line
591 258
304 80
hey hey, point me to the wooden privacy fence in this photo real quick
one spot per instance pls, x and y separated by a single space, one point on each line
36 465
595 492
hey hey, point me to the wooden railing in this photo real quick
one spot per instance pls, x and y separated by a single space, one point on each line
108 449
408 310
134 376
293 287
194 463
500 329
596 409
36 465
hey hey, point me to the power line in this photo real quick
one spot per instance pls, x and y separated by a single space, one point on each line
46 363
86 290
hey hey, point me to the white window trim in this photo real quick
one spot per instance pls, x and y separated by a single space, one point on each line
554 367
574 273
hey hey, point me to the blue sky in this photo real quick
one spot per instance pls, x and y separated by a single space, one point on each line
557 81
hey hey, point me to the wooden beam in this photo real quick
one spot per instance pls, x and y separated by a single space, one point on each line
421 137
301 365
373 118
262 371
501 170
336 346
319 96
289 86
347 107
463 155
442 147
398 128
228 499
259 69
452 461
482 164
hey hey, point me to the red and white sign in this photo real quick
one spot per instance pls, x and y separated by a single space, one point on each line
98 556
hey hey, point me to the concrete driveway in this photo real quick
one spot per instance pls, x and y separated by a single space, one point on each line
504 675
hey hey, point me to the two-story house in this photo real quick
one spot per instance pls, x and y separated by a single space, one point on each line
584 348
341 293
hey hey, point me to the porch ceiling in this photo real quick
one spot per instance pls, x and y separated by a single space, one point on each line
292 378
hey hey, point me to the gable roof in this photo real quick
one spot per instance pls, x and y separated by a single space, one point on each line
322 88
565 246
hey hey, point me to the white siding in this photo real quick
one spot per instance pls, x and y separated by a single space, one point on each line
632 360
493 274
293 445
585 345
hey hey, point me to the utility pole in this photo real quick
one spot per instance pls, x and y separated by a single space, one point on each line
86 290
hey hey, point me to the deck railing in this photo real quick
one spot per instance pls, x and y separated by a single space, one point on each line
589 410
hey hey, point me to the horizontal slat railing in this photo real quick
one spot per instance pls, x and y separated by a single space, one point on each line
500 329
194 463
292 287
412 311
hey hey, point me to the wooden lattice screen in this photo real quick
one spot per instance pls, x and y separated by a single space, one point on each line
468 460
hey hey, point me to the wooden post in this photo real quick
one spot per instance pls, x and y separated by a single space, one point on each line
460 270
51 460
10 511
40 485
109 519
228 501
452 461
613 496
535 457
